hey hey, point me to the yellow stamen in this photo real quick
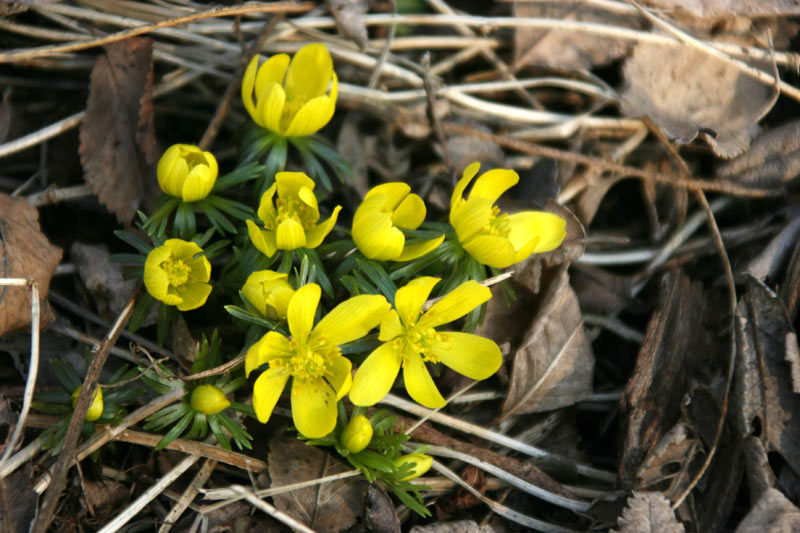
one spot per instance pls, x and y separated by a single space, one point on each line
176 270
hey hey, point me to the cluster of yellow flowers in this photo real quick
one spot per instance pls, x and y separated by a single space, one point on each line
295 97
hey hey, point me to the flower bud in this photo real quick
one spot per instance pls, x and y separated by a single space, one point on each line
209 400
423 464
357 434
269 292
187 172
95 409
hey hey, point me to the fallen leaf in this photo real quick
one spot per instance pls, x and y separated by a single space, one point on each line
648 511
462 526
554 365
773 160
117 136
105 496
20 497
102 278
719 8
771 260
688 93
723 482
330 507
760 477
667 460
466 149
565 49
24 253
763 398
772 514
599 291
650 403
381 515
349 18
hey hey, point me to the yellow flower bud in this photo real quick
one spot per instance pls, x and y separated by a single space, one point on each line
95 409
422 464
269 292
187 172
357 434
209 400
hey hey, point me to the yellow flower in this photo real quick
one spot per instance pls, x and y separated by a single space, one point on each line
291 220
95 409
410 341
187 172
357 434
386 208
321 375
269 292
292 99
421 464
209 400
176 274
494 238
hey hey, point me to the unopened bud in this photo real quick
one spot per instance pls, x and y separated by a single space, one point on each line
422 463
95 409
357 434
209 400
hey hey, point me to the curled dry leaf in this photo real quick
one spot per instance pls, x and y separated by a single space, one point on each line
648 511
763 396
103 279
773 160
554 364
349 17
117 135
380 513
772 514
24 253
330 507
667 460
688 93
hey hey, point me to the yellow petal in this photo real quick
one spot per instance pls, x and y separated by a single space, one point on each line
458 192
290 235
419 383
170 176
183 250
209 400
352 319
373 232
340 376
357 434
312 117
309 72
269 108
155 279
490 185
375 376
290 183
267 391
302 308
273 70
264 241
315 235
420 462
393 193
198 184
193 295
410 213
307 196
418 249
456 304
391 326
270 346
248 82
471 218
408 300
491 250
199 269
260 285
278 302
550 228
313 407
470 355
266 206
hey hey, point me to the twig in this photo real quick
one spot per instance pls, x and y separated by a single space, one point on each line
387 45
33 368
188 495
270 510
32 139
54 195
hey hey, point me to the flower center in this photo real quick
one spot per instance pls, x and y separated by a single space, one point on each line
193 159
296 209
176 270
499 225
308 361
420 340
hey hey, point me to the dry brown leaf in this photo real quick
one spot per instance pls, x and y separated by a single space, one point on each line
330 507
689 93
720 8
773 160
648 511
568 49
772 514
771 260
760 477
667 460
763 397
21 498
24 253
118 145
349 17
723 482
651 401
461 526
381 514
554 365
102 278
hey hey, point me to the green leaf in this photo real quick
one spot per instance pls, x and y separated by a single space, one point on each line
239 175
134 241
377 275
66 375
218 433
376 461
176 431
140 312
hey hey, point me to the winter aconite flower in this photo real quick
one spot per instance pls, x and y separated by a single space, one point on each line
320 374
495 238
420 464
96 407
177 274
187 172
292 99
290 221
209 400
357 434
410 341
385 209
269 292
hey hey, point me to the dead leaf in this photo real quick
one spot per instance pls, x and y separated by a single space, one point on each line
349 18
117 133
689 93
723 482
763 398
760 477
105 496
648 511
462 526
554 365
770 261
103 279
381 515
600 291
330 507
466 149
24 253
651 401
773 160
568 49
17 491
719 8
666 462
772 514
